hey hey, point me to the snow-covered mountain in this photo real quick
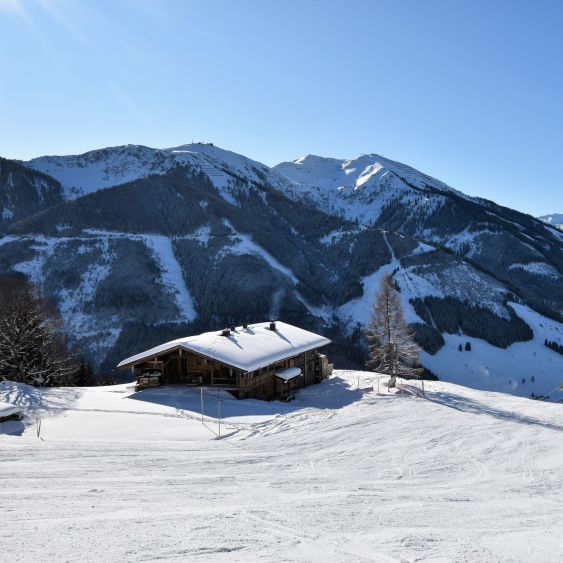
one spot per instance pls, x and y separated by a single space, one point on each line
555 219
357 189
24 193
104 168
140 245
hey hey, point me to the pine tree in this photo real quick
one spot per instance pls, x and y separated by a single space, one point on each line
391 345
85 374
32 348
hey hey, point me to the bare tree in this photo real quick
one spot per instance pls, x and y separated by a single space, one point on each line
391 345
32 347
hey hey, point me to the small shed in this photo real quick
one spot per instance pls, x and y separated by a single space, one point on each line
263 360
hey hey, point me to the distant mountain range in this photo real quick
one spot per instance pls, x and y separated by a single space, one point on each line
138 245
555 219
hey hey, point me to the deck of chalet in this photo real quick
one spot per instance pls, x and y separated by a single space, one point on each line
262 360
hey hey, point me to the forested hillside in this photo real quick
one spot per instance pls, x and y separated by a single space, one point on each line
136 246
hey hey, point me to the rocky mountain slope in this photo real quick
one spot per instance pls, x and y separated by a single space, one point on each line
24 192
515 248
142 245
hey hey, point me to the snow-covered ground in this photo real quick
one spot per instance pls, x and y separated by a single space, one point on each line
341 474
522 369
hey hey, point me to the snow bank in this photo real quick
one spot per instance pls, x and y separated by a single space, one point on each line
7 409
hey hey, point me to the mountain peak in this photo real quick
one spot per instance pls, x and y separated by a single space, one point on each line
210 149
197 146
309 159
103 168
554 219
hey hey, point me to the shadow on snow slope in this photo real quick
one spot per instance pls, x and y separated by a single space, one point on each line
465 404
45 400
35 402
12 428
334 393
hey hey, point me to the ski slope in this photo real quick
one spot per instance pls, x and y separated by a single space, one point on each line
341 474
524 368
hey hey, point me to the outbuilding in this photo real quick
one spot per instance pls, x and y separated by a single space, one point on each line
264 360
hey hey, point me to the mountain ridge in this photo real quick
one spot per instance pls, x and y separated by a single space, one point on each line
198 237
102 168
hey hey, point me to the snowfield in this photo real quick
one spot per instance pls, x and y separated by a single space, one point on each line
341 474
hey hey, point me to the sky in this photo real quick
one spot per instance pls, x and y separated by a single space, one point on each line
468 91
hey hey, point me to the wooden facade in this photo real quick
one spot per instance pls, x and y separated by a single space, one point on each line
184 367
263 360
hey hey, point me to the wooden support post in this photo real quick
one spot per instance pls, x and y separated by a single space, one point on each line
219 411
201 389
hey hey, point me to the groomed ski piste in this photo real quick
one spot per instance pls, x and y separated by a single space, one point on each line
347 472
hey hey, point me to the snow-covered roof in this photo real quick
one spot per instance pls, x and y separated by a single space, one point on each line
247 348
287 374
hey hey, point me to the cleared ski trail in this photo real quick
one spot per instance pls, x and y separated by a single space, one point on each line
341 474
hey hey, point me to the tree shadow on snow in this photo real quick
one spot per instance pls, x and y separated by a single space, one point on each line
334 393
465 404
12 428
36 402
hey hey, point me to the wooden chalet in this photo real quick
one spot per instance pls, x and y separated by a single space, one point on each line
264 360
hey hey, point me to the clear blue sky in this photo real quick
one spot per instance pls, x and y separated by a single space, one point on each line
470 92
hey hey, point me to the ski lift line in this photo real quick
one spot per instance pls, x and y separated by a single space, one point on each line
406 275
556 389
